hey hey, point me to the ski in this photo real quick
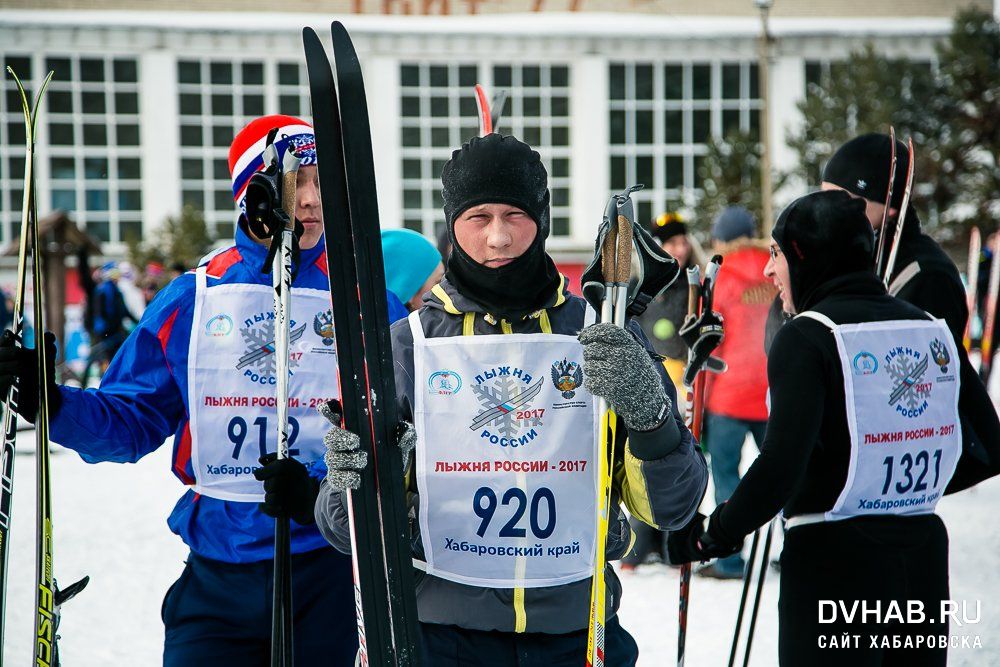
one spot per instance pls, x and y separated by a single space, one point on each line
17 329
483 106
883 230
489 111
990 311
384 587
972 275
900 217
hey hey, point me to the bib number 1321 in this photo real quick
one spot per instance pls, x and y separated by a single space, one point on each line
910 471
543 503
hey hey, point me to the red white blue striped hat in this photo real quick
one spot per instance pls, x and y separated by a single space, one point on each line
247 150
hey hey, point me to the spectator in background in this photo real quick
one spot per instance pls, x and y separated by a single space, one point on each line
666 313
109 313
176 270
413 265
153 280
660 322
735 400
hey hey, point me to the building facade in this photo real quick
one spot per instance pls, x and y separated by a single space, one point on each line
143 105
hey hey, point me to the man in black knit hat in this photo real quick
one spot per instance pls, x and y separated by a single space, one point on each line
498 384
923 275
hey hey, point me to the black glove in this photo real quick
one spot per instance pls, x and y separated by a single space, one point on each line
289 491
702 335
20 364
694 543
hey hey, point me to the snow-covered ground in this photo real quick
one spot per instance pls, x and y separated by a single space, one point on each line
110 524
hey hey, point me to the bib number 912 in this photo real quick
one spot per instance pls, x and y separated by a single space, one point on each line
239 430
485 504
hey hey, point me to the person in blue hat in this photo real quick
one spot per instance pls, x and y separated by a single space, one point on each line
412 265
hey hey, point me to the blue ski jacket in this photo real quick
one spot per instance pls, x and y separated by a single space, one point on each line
143 399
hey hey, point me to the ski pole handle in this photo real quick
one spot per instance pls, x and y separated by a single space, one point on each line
694 289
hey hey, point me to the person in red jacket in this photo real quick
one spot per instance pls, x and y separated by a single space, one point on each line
736 399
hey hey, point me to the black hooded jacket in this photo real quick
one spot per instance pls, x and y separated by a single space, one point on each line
804 459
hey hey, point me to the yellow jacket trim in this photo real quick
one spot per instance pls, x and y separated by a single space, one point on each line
449 305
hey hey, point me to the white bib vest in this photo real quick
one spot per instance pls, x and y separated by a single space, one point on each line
505 459
901 382
231 383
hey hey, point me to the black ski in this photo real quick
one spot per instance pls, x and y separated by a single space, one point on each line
383 569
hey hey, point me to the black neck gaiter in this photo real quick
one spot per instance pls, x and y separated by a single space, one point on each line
512 291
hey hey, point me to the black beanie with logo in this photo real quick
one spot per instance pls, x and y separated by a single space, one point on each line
498 169
861 166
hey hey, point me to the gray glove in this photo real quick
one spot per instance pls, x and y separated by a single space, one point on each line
344 458
619 369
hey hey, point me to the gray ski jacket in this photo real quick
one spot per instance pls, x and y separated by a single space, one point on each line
664 493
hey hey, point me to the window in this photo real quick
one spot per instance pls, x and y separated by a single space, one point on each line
216 99
88 132
661 117
438 110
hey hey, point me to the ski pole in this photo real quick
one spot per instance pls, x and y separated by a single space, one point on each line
700 296
694 297
904 207
747 570
972 272
990 319
616 265
760 589
883 230
281 280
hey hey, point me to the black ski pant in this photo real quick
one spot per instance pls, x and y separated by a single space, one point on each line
868 562
219 614
452 646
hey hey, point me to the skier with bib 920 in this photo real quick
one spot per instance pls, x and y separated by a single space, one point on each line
498 376
874 416
200 366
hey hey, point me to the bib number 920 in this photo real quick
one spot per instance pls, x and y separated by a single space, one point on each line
485 504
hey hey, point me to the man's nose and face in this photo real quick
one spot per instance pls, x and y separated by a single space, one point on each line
494 235
308 207
776 270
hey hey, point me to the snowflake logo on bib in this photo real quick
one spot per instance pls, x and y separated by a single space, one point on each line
906 368
506 417
258 362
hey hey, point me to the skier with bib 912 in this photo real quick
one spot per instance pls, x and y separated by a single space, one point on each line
498 376
200 366
874 416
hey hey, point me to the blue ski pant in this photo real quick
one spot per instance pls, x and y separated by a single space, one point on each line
219 614
451 646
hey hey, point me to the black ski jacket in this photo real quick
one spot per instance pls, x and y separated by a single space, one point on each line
803 461
926 277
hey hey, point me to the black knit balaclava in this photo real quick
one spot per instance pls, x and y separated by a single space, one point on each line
823 235
499 169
